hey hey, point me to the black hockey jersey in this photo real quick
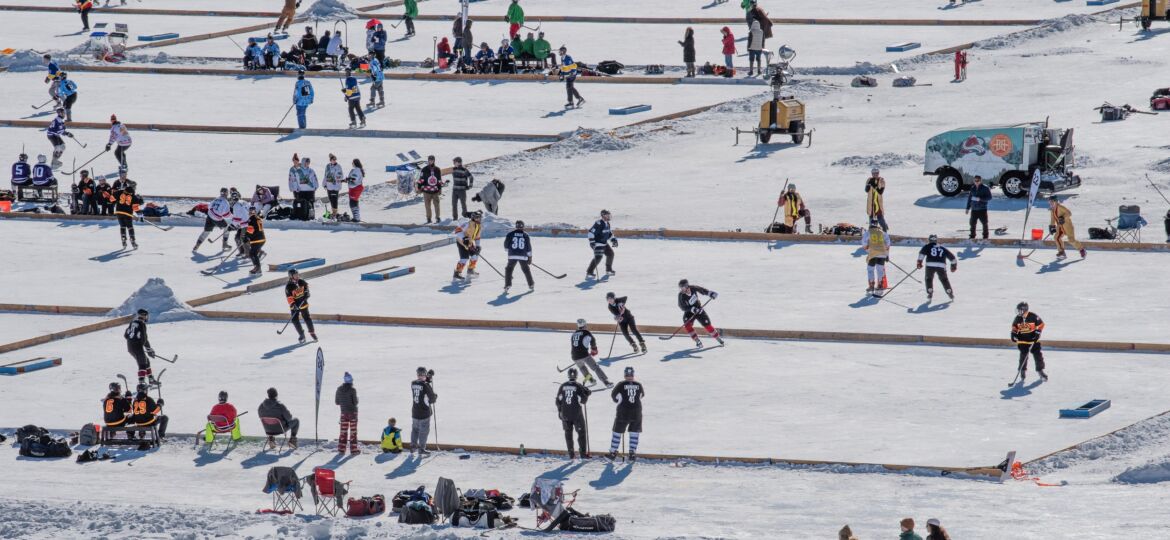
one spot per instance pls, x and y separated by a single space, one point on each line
628 396
519 245
691 303
144 411
618 309
422 395
570 397
1026 328
600 233
136 333
115 408
297 293
583 344
936 256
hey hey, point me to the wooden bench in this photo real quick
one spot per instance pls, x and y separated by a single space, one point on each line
108 435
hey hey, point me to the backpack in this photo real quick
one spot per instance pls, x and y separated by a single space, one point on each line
89 435
417 513
1111 113
365 506
154 210
610 67
780 228
29 431
283 212
863 81
407 495
1097 233
707 69
45 446
905 81
655 69
845 229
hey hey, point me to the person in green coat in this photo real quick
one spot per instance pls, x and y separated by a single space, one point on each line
410 15
527 49
907 525
515 18
517 45
749 7
543 51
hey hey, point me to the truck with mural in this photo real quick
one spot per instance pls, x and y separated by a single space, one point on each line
1009 156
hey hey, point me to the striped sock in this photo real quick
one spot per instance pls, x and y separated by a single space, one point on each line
615 441
634 441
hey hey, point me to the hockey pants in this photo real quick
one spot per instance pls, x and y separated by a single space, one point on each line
689 325
942 278
1037 356
598 252
628 326
126 225
303 313
139 353
876 270
523 268
576 424
120 154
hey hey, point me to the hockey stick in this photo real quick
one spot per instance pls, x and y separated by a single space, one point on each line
290 320
155 225
611 342
38 107
125 384
286 113
215 270
537 29
87 162
777 212
901 270
891 289
562 276
400 21
489 264
1020 369
679 329
1156 189
74 139
1020 255
585 409
171 360
566 368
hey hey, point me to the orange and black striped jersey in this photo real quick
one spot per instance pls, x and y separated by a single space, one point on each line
126 202
1026 328
297 293
115 408
255 230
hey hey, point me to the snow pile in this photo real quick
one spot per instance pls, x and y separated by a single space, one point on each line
887 160
22 61
1162 166
588 141
1047 29
494 225
1122 445
1150 473
161 58
330 10
157 298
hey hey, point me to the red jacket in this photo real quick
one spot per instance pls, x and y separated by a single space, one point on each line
728 41
444 47
226 410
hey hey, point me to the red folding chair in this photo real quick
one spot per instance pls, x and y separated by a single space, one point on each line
273 427
328 492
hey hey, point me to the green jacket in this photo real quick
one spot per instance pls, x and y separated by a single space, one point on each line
515 14
517 46
529 46
746 5
412 9
909 535
541 49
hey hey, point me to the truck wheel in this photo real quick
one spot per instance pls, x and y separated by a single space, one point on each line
1014 185
765 136
797 129
949 183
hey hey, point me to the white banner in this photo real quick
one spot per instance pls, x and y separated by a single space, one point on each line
320 378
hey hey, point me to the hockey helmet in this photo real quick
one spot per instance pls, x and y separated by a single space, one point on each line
292 272
875 171
60 110
1021 308
520 224
581 323
113 119
142 388
476 215
40 158
223 191
605 213
683 283
23 156
932 238
115 387
62 75
629 372
792 187
223 397
572 374
143 313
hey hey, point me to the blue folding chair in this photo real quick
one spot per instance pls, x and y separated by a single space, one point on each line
1129 223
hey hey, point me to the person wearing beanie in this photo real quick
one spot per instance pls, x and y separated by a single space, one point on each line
302 98
392 438
227 420
907 525
273 408
935 530
347 398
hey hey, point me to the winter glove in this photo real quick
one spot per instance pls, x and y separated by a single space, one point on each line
1052 229
67 134
954 268
593 352
714 295
108 148
919 265
613 242
161 402
149 351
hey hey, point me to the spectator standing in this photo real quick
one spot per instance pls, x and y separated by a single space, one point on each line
302 98
347 399
728 52
977 200
83 7
355 179
755 48
907 526
423 397
334 176
379 43
430 184
935 530
461 181
688 45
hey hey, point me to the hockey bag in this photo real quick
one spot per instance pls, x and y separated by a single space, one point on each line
572 520
29 431
844 229
405 496
905 82
44 446
1160 100
862 81
1097 233
779 228
417 513
498 498
610 67
365 506
655 69
89 435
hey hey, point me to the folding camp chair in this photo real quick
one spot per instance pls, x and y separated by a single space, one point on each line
328 493
1129 224
285 488
274 427
447 498
219 426
547 498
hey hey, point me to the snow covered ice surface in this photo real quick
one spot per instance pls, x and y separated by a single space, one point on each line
899 404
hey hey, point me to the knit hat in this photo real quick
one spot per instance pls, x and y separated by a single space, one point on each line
347 378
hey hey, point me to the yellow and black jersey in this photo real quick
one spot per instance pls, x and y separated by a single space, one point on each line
144 411
469 233
115 408
297 293
1026 328
255 230
126 202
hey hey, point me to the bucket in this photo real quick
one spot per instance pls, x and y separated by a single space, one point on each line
1037 234
5 206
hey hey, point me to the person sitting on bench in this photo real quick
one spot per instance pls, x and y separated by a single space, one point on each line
263 200
309 42
21 171
253 56
485 59
226 420
505 58
43 174
525 52
145 412
272 408
115 406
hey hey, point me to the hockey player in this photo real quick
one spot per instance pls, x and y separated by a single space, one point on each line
21 171
794 209
423 397
353 99
569 75
255 235
519 247
625 320
571 399
87 199
227 420
692 308
1026 330
115 406
1061 226
602 241
302 98
54 132
334 176
146 412
875 207
219 215
583 349
356 176
126 204
138 344
105 197
936 258
121 136
296 291
42 174
376 78
876 243
628 395
467 240
51 78
239 223
67 91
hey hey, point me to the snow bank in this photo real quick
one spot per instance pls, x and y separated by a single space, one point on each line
157 298
1047 29
1149 434
887 160
1162 166
330 10
1151 473
22 61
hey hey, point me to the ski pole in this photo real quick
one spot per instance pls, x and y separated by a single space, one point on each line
489 264
74 139
87 162
901 270
891 289
688 321
562 276
286 113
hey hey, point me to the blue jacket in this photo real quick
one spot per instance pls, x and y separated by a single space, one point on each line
352 91
568 68
272 48
376 71
42 174
255 52
56 127
53 68
519 245
66 88
303 94
978 197
379 40
505 52
485 55
21 172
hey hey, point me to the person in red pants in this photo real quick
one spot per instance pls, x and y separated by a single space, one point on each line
347 399
692 307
